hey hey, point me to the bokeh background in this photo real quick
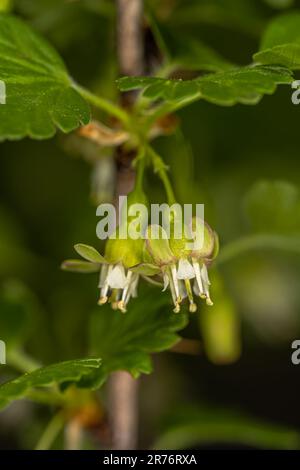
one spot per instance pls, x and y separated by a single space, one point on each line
240 389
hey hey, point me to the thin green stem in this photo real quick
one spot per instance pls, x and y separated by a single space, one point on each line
51 432
168 108
20 361
168 187
101 103
46 397
161 169
157 34
258 242
140 169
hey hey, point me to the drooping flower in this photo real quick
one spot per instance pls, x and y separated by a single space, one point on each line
117 283
182 265
201 256
181 261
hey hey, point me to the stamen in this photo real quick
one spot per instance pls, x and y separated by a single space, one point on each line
204 274
172 289
114 297
134 284
105 286
121 306
168 280
176 286
103 275
102 300
132 288
193 306
177 308
206 283
198 279
125 290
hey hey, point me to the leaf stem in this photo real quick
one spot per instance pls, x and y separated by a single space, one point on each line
50 433
258 242
140 169
46 397
168 108
101 103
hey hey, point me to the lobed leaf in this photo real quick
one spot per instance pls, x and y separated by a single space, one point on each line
75 371
244 85
40 95
280 43
125 341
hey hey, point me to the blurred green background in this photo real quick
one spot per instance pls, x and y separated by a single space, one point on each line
46 207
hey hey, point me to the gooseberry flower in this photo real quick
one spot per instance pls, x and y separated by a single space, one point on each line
181 263
117 282
201 255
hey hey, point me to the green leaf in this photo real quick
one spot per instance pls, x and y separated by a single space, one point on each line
125 341
40 95
192 426
75 372
89 253
281 42
78 266
273 206
244 85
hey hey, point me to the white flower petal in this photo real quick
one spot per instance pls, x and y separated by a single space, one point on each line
198 283
104 288
166 282
134 284
185 270
117 278
196 288
175 281
103 275
182 290
204 275
127 284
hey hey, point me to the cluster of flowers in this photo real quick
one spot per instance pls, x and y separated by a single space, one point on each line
182 270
